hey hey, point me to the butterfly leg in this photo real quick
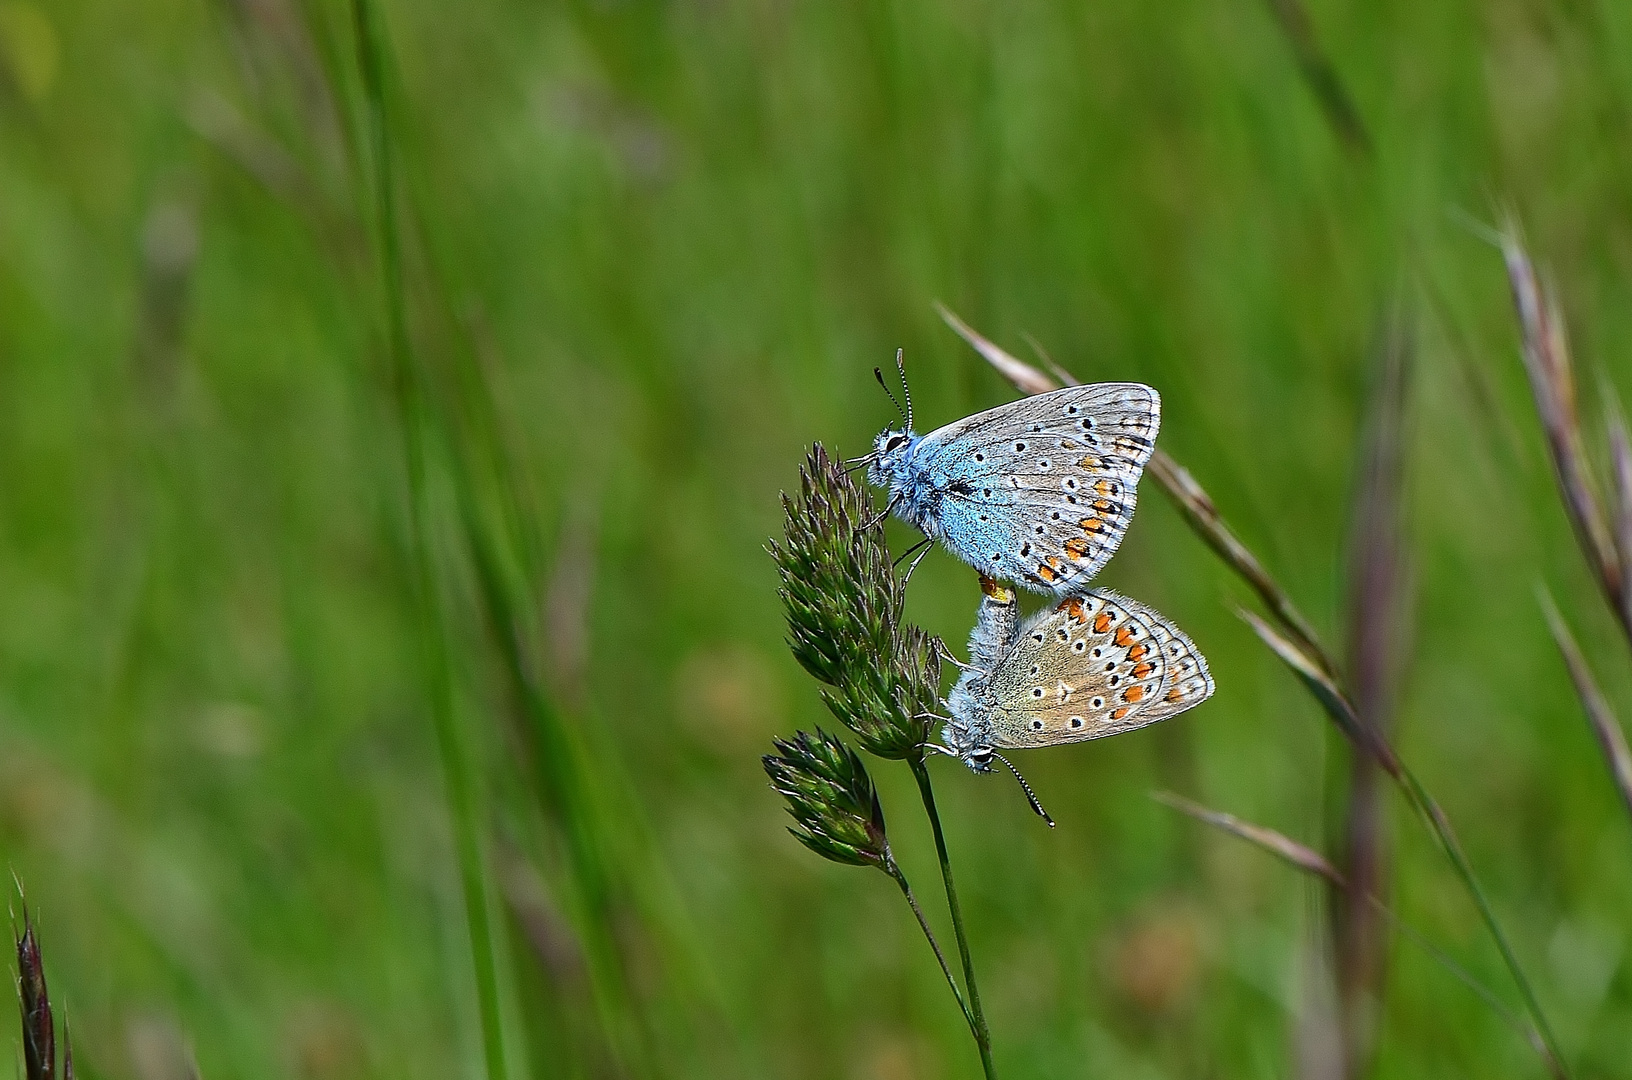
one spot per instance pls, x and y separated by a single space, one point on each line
889 508
946 654
915 563
899 558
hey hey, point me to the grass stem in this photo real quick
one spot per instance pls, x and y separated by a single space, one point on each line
983 1038
410 395
912 901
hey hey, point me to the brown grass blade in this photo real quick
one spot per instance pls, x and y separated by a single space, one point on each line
1302 652
1375 608
1326 691
1552 385
1025 377
1311 861
1602 718
1620 453
1198 509
1192 500
1279 844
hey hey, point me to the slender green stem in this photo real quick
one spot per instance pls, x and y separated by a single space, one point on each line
411 404
983 1037
559 784
906 890
1440 825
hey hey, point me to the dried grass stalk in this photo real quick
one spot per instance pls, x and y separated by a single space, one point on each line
1604 724
1552 383
1298 648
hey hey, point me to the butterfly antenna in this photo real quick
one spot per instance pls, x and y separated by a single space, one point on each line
1031 796
906 391
878 373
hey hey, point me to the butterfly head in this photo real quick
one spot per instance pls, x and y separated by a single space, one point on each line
893 448
891 451
962 743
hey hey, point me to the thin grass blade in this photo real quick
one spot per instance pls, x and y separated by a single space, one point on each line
413 410
1310 861
1301 650
1620 453
1611 737
1198 510
1321 76
1193 502
1025 377
1552 385
1278 844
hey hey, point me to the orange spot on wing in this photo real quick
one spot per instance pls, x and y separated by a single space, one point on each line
1137 652
1103 623
1046 572
1133 693
1103 487
1091 524
1175 695
1121 713
1144 670
1073 607
1076 547
1124 635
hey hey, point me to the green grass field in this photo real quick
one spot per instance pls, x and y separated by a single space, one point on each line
319 625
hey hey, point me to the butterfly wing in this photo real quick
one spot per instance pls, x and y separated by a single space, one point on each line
1099 664
1040 491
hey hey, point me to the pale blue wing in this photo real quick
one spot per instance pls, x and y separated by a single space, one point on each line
1040 491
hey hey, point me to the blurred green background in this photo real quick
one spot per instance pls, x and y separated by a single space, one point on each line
651 251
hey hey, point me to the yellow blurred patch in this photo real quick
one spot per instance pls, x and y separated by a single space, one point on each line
29 44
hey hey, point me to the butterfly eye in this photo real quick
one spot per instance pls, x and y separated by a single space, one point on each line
894 443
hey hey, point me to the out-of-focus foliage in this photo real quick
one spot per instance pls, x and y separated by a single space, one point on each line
652 251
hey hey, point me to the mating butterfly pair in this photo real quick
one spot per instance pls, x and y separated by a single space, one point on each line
1040 492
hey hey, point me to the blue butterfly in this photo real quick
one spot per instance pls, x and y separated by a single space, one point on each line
1038 492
